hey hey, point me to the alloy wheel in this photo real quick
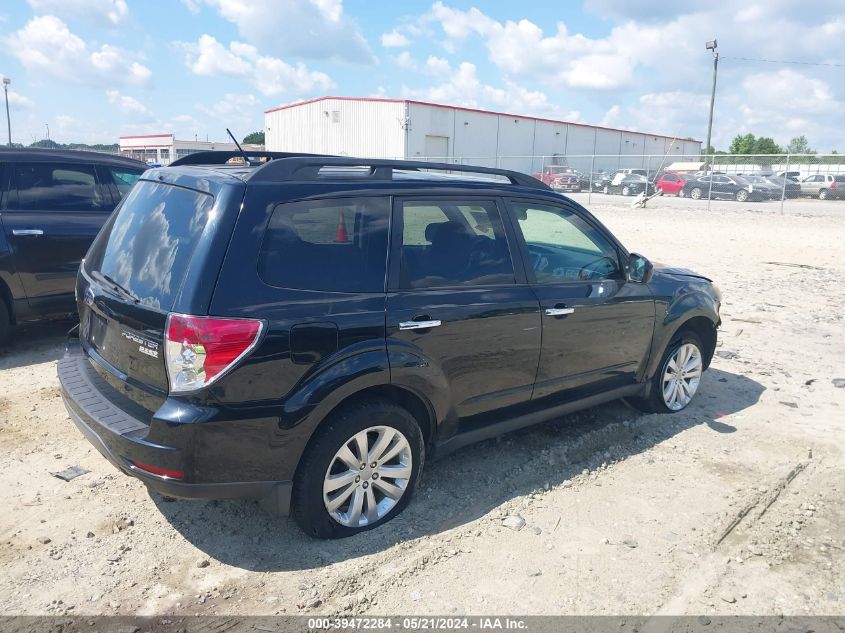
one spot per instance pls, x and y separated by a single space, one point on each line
681 376
695 194
368 476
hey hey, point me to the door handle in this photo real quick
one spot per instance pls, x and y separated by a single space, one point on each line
418 325
21 232
558 311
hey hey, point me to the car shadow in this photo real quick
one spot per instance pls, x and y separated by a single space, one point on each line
36 342
464 485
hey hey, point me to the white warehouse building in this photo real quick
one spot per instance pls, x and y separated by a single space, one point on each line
163 149
402 128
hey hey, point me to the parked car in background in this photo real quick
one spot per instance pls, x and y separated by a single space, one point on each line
598 180
824 186
670 182
722 186
764 186
785 187
317 338
560 178
629 185
53 205
792 175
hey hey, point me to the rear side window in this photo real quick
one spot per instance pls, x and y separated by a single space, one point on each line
453 244
147 246
337 245
58 187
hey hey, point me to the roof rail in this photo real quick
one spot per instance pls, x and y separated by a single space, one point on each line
307 167
221 157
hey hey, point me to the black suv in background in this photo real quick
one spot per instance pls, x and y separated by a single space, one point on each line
309 330
52 205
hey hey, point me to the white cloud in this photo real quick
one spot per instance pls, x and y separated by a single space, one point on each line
464 88
128 105
109 12
315 29
192 5
240 112
437 66
47 48
270 75
394 39
404 60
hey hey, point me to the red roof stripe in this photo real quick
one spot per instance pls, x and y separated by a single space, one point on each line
149 136
465 109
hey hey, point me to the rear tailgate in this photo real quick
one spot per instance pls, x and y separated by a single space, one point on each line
134 274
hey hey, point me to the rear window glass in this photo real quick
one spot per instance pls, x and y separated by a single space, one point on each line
337 245
148 244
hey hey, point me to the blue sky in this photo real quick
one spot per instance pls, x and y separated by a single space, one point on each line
96 69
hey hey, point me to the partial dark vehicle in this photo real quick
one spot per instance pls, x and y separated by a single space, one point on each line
629 185
784 187
596 181
723 186
311 330
53 205
765 187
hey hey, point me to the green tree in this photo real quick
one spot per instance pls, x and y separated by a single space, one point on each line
256 138
743 144
799 145
767 145
46 143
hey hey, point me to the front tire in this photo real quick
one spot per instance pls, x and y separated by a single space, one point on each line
360 471
680 193
695 194
678 377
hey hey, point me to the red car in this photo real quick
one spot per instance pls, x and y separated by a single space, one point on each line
671 182
560 178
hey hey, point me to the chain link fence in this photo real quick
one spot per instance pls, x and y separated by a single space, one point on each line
742 177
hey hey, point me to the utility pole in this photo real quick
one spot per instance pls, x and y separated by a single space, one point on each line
48 131
711 46
6 82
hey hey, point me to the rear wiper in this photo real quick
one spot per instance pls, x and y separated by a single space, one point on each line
116 286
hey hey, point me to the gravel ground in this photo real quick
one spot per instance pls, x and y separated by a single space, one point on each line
734 506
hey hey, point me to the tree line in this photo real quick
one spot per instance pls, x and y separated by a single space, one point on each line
746 144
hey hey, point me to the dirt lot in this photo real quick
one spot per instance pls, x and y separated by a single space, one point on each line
734 506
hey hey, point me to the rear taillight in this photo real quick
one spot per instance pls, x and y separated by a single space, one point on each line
832 184
200 349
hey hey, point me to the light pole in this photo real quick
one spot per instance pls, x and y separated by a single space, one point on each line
6 82
711 46
48 130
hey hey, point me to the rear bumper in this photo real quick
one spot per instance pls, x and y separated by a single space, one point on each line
120 438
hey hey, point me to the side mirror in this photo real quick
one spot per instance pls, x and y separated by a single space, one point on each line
640 269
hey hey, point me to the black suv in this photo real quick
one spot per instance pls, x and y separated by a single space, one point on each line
309 330
52 205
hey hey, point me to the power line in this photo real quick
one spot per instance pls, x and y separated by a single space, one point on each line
783 61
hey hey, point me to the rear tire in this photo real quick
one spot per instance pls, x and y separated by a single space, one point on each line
680 193
367 419
626 191
658 401
822 194
695 194
741 195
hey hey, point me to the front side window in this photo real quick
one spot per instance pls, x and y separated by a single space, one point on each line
453 244
563 247
335 245
58 187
